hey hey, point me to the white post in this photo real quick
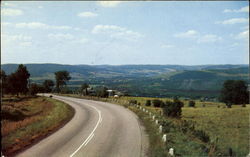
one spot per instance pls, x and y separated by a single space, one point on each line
153 117
164 138
156 121
171 151
160 128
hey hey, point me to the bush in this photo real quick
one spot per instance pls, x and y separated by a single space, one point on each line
229 105
243 105
134 102
201 135
10 113
158 103
187 126
191 103
148 103
173 109
166 126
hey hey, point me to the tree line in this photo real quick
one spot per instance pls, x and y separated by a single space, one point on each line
18 82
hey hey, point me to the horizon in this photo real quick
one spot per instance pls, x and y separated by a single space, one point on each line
125 33
124 64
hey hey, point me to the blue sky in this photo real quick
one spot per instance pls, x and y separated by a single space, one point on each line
136 32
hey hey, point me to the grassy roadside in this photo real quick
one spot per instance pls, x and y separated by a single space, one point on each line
29 120
226 128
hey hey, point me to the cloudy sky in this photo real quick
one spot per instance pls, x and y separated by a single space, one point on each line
186 33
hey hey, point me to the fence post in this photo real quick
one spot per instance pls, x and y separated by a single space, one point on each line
156 121
160 128
171 151
164 138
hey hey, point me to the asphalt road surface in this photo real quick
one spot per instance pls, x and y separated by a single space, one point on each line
98 129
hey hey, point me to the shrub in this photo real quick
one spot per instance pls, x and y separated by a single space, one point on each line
229 105
166 126
187 126
133 101
158 103
148 103
243 105
191 103
173 109
201 135
10 113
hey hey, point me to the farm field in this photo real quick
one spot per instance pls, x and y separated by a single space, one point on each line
26 120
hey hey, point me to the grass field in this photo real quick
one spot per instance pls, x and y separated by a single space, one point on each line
27 120
230 125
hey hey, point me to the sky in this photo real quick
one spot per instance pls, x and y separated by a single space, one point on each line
130 32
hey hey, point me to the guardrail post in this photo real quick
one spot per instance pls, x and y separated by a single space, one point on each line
164 138
156 121
160 128
171 152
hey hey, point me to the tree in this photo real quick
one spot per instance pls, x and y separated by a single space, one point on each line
3 84
191 103
234 92
148 103
35 88
158 103
22 76
173 109
61 78
18 82
48 85
102 92
84 89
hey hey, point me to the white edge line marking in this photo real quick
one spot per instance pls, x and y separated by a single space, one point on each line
89 139
92 133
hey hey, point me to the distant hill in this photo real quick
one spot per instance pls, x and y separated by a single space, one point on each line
144 80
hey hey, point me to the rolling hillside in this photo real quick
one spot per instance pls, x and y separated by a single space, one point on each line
144 80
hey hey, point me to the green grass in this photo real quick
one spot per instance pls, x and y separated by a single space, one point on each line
35 126
230 125
156 146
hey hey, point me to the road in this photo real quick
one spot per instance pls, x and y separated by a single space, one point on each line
98 129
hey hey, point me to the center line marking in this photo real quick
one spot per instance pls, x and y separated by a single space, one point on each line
92 133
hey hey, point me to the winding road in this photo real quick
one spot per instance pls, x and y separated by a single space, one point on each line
98 129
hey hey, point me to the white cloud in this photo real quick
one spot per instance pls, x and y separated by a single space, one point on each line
87 14
167 46
200 38
109 4
209 38
8 4
61 36
6 24
25 44
243 9
36 25
81 40
117 32
234 21
19 37
11 12
243 35
188 34
40 7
